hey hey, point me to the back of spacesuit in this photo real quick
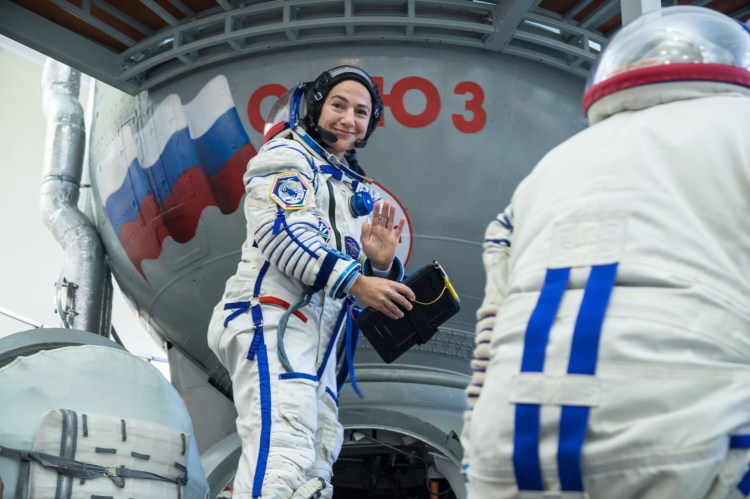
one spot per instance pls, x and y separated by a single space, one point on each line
613 355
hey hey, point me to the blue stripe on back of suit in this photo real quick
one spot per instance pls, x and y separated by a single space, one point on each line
583 359
526 462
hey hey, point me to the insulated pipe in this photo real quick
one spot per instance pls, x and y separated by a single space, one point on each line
83 299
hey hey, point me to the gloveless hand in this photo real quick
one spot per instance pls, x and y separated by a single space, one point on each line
383 295
380 238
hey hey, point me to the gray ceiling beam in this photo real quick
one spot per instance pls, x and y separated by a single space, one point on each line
131 69
546 59
179 5
161 12
229 26
56 42
506 18
576 9
286 15
567 28
278 5
224 4
411 13
601 14
121 16
85 15
572 42
348 16
317 39
558 45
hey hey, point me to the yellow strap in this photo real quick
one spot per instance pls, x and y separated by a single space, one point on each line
447 286
433 301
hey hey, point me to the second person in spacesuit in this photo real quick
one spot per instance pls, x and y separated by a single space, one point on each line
613 345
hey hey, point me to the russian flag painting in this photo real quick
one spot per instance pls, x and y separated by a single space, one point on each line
162 174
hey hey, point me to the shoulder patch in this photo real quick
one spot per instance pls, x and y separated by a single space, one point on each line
352 247
290 190
324 230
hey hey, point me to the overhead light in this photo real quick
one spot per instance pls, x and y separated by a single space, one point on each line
545 27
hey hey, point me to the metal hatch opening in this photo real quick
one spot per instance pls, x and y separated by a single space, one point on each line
378 463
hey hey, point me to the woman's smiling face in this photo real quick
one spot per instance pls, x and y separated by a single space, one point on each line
346 112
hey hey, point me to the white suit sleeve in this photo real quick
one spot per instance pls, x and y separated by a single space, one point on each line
283 220
497 251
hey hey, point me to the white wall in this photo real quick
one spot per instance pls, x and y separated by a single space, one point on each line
30 257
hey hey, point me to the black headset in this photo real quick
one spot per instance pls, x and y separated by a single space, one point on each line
317 90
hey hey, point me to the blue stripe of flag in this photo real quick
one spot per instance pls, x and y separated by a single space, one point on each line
123 205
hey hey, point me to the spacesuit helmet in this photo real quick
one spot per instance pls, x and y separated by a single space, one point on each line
679 43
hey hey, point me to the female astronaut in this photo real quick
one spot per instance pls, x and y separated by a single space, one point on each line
309 250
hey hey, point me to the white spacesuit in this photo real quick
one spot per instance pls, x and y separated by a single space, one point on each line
613 343
304 212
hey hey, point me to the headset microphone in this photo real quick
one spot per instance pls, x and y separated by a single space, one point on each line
326 135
